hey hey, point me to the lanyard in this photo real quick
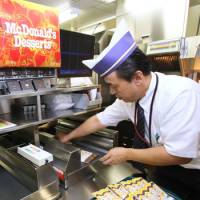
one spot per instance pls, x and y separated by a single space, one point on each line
150 116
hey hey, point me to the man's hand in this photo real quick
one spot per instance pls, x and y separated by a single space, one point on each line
91 125
115 156
63 137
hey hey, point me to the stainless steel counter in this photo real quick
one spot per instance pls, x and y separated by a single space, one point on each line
104 175
80 179
12 189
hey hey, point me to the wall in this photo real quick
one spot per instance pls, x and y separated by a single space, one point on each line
160 19
193 20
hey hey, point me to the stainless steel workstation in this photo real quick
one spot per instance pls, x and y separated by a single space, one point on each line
79 179
67 177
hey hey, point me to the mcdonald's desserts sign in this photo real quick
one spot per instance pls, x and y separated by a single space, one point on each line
29 35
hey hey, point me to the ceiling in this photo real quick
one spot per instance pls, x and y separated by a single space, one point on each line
88 5
91 11
81 4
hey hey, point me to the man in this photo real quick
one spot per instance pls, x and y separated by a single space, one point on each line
170 105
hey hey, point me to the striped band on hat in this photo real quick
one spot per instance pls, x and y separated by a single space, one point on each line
116 56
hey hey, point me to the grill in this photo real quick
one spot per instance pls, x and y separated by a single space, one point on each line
165 56
165 63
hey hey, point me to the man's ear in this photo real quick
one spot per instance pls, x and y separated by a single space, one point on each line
138 77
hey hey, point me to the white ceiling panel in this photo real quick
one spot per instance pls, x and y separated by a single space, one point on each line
81 4
51 3
91 11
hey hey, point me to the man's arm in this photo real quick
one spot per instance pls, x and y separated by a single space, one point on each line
89 126
156 156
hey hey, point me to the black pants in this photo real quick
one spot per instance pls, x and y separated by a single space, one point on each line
183 182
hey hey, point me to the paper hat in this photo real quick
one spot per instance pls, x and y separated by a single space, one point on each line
120 48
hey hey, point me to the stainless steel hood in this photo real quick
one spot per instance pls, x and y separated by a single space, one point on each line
179 55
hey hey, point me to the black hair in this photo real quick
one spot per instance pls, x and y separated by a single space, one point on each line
136 61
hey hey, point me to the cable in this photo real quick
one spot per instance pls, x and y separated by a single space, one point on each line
96 28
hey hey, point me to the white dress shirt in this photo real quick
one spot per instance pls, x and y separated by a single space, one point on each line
175 117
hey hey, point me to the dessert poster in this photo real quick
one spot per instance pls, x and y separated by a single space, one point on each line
29 35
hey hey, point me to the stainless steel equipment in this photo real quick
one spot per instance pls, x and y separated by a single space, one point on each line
78 178
41 182
99 142
165 56
178 56
67 157
29 181
102 176
67 161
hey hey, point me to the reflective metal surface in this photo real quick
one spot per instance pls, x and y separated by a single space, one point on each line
31 119
48 192
82 179
42 181
100 141
104 175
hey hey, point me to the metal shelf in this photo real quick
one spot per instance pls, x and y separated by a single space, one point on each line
25 120
31 119
46 92
50 115
20 119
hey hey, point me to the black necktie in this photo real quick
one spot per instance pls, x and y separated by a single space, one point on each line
139 135
140 120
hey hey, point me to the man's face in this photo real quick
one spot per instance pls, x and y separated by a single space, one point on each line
122 89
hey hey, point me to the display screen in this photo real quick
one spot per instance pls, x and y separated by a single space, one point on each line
75 47
29 35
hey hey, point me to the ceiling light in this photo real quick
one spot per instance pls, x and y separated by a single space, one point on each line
68 14
108 1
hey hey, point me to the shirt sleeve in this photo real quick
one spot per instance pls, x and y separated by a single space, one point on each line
113 114
180 127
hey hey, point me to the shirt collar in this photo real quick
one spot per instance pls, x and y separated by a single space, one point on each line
145 100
